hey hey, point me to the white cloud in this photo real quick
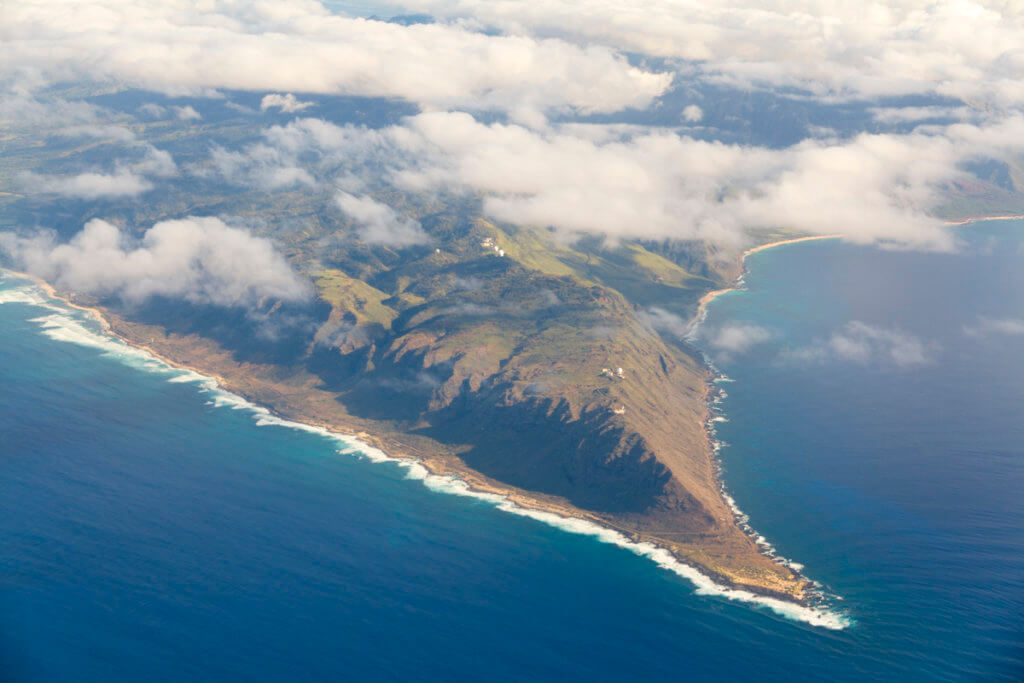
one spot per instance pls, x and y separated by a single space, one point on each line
284 176
891 115
187 113
156 162
128 179
303 152
97 131
692 113
969 50
664 321
200 260
737 338
153 110
723 341
19 108
630 182
862 343
240 108
260 166
121 183
661 184
988 327
286 103
378 223
177 46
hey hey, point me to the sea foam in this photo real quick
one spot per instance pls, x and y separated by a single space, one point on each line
717 398
67 324
26 294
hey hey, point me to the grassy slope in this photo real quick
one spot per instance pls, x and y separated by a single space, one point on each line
347 295
440 350
501 357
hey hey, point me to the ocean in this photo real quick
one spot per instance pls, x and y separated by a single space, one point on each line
156 528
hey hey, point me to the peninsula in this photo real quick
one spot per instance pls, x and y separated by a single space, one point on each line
523 366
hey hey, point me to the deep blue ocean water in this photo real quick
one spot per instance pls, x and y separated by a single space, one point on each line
153 531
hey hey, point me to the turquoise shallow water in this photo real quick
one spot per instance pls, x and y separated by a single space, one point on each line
155 531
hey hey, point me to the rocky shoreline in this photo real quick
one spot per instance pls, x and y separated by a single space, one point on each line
431 455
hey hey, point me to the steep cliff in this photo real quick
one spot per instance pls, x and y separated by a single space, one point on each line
511 359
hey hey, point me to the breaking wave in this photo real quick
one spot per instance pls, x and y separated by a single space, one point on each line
70 325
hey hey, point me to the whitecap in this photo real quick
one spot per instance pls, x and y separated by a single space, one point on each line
27 294
189 376
452 485
66 325
816 616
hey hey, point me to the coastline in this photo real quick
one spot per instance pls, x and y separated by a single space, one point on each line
371 440
986 218
702 303
714 393
53 294
446 473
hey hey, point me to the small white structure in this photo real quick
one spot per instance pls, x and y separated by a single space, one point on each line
618 371
437 251
501 252
621 410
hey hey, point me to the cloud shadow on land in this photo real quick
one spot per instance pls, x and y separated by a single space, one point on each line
272 332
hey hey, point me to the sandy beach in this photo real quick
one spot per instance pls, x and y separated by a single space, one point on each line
702 304
710 296
440 464
986 218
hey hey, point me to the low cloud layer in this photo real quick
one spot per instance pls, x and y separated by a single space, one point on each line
631 182
692 113
666 322
737 338
967 50
177 46
128 179
109 132
85 185
657 183
378 223
992 327
529 60
259 167
287 103
187 113
859 342
199 260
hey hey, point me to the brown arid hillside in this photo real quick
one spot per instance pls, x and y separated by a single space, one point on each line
521 363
